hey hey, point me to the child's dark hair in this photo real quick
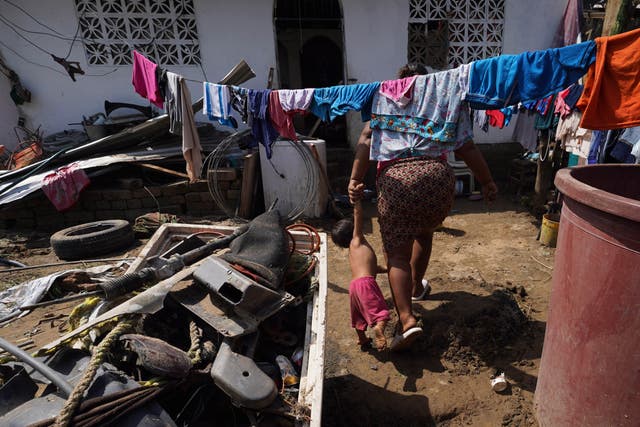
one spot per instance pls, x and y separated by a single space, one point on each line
342 232
411 69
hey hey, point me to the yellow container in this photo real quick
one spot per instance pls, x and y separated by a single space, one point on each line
549 230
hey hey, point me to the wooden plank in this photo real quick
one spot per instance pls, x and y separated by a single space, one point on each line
248 189
164 170
617 12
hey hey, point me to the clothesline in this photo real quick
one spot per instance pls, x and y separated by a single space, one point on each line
429 114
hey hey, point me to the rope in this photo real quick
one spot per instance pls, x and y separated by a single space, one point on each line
65 416
195 352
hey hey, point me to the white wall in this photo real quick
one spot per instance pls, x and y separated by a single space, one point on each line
375 41
242 29
375 35
8 116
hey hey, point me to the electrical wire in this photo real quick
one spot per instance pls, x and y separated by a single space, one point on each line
43 33
23 37
29 61
32 17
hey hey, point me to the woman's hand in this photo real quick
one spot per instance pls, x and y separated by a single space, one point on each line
489 191
356 190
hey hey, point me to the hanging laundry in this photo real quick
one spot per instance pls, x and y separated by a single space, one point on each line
217 104
632 137
508 79
547 120
569 28
508 113
144 79
331 102
481 119
281 121
399 91
387 144
181 121
261 127
434 111
496 118
295 100
611 96
63 186
239 102
544 105
598 139
572 137
525 132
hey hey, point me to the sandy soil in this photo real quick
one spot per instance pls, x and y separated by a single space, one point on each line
486 312
490 282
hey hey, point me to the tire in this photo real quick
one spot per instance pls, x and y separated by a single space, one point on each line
89 240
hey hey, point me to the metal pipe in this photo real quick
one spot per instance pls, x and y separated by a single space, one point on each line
55 264
49 373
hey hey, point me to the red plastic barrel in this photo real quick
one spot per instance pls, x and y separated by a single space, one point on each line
590 368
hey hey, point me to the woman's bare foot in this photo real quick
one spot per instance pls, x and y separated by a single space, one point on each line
380 340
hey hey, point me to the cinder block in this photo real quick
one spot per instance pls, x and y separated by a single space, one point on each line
91 196
224 174
233 194
198 186
117 195
192 197
134 204
102 205
236 185
119 204
148 203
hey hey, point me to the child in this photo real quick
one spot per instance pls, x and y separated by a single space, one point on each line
368 307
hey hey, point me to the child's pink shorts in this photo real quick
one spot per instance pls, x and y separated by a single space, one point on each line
368 307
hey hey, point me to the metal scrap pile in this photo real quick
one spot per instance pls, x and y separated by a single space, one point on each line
208 326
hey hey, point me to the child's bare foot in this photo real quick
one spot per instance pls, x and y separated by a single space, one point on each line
380 339
363 340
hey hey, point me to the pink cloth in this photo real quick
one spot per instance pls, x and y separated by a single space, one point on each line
63 186
368 306
561 106
144 79
281 120
400 91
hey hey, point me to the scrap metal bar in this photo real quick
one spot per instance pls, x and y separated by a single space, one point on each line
49 373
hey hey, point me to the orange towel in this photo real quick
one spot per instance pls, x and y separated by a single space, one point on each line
611 97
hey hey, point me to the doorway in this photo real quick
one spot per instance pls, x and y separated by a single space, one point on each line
309 36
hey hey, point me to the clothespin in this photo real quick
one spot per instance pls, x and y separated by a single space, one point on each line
71 67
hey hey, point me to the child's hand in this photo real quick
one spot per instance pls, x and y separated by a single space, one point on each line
356 190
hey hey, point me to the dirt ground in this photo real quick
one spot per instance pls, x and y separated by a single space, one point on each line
490 283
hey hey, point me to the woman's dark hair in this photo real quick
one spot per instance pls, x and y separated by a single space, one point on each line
342 232
411 69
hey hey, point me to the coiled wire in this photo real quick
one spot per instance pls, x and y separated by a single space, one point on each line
215 160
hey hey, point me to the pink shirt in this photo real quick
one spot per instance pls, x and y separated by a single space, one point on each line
144 79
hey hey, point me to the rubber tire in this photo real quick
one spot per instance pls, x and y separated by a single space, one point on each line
91 239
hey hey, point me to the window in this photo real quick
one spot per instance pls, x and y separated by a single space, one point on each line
163 30
447 33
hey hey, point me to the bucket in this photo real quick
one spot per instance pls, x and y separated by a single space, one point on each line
549 229
589 368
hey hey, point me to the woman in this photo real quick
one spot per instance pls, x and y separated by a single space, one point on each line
415 194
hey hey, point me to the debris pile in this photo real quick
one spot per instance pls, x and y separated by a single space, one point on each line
205 326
